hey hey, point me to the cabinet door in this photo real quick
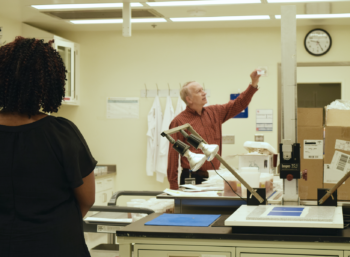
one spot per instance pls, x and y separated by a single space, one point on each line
153 253
67 52
346 253
285 252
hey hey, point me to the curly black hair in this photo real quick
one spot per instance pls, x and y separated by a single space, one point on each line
32 77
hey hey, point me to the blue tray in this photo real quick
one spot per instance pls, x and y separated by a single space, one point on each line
184 220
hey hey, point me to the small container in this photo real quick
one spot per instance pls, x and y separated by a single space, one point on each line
266 181
236 186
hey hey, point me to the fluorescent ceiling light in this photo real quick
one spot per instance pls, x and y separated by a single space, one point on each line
303 1
82 6
193 3
319 16
223 18
110 21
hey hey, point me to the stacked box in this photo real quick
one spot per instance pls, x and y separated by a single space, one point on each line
337 153
310 138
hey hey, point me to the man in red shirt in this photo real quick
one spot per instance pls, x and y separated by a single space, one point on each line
207 121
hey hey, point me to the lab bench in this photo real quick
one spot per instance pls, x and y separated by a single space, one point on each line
220 241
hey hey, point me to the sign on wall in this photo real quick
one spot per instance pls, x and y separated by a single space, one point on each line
243 114
264 120
122 108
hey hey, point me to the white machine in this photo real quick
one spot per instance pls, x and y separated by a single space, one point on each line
287 217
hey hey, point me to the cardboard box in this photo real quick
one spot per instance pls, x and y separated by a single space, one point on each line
311 159
338 118
308 189
337 141
310 117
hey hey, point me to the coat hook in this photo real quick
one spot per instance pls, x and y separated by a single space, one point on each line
169 88
146 90
157 88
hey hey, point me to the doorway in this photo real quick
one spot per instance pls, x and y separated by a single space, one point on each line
318 95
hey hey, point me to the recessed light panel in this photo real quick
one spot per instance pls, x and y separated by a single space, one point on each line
82 6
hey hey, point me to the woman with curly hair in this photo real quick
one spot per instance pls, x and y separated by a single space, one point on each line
46 179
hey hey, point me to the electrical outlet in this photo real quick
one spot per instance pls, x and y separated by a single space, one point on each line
259 138
228 139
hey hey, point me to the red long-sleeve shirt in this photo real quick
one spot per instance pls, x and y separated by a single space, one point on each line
209 126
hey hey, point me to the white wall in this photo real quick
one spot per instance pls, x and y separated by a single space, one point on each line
114 66
11 29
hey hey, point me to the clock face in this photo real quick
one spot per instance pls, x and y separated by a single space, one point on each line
318 42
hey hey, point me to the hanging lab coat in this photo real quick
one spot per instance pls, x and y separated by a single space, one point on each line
162 160
180 106
153 136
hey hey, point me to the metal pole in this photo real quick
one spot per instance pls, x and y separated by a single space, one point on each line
289 88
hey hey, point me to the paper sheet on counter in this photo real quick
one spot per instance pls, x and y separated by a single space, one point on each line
180 193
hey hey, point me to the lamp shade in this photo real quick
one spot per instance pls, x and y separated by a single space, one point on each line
209 150
196 160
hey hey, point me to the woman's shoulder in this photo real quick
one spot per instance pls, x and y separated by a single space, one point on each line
60 125
63 122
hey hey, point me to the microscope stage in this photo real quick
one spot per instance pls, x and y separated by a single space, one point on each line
287 216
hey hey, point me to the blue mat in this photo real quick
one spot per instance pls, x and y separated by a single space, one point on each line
184 220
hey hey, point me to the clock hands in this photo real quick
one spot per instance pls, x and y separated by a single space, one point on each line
320 45
317 43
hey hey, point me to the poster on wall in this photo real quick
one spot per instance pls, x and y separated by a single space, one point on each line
244 113
123 108
264 120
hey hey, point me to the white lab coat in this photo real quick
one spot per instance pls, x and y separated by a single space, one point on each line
153 136
180 106
162 161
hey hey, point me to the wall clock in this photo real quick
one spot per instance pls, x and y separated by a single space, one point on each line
318 42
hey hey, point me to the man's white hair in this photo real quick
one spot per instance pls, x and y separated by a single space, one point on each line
185 91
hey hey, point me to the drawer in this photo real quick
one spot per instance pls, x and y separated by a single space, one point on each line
100 185
102 198
276 252
109 183
154 253
104 184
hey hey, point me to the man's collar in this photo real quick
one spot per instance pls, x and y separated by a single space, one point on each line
188 109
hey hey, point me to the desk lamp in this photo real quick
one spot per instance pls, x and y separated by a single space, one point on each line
210 150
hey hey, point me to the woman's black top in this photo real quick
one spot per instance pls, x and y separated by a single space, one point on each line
40 165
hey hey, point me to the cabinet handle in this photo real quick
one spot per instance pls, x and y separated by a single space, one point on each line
184 256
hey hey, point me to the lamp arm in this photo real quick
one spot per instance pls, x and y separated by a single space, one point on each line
335 187
234 173
177 129
170 138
